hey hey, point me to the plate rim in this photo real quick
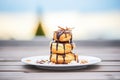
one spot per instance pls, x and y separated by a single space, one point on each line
60 65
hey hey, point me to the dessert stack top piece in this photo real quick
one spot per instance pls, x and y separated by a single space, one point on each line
63 35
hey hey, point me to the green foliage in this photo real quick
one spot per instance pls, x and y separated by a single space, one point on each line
40 31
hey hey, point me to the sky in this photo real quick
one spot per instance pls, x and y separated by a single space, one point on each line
58 5
92 18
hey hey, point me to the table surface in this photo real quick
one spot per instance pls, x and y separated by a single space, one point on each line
11 68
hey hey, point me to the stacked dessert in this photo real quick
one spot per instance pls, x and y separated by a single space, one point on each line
62 46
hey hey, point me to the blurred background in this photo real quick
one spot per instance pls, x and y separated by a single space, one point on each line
91 19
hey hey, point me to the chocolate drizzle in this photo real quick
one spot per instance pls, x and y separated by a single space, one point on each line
57 46
59 33
71 39
51 51
64 54
57 54
65 33
61 54
56 58
74 57
71 46
51 48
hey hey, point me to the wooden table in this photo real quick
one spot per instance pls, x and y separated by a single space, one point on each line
11 68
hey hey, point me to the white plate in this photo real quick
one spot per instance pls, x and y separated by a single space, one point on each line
32 61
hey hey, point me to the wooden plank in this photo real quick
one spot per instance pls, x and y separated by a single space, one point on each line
20 63
79 48
35 42
60 76
17 56
16 53
28 68
46 49
45 41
